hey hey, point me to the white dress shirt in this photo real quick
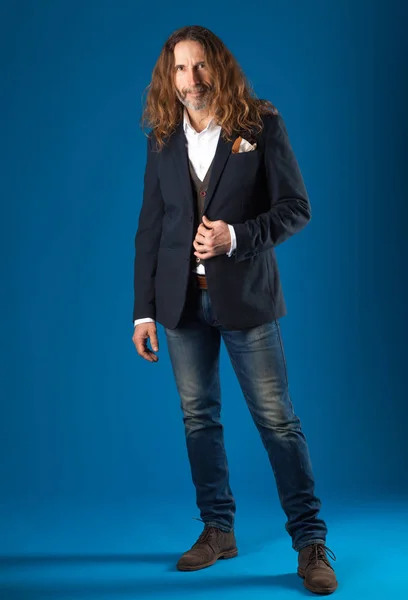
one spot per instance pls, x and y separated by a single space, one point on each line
201 149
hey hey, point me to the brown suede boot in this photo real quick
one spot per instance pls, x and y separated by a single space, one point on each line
210 546
316 571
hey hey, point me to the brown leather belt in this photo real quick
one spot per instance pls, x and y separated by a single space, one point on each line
202 282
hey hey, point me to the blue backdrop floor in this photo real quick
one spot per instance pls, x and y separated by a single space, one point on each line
60 555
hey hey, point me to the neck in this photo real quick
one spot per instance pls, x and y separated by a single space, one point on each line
199 119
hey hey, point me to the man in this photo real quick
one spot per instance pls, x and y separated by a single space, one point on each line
222 189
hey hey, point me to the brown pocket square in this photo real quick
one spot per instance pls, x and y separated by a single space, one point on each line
236 145
242 145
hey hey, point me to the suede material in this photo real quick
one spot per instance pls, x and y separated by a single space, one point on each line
314 567
210 546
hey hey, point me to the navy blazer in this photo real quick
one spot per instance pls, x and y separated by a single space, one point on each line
261 193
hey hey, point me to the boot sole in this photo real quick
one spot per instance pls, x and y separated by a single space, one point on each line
227 554
322 592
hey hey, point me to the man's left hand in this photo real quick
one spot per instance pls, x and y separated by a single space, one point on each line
212 238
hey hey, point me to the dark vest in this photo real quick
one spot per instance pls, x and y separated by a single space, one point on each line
200 188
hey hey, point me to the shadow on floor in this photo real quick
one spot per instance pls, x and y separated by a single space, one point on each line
178 584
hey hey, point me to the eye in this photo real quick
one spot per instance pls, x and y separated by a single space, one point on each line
201 65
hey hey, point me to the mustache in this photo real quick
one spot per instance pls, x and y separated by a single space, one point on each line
201 88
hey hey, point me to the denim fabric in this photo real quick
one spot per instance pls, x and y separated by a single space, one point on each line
257 357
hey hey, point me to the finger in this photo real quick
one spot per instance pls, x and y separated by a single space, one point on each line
203 233
204 255
144 351
147 354
200 247
202 229
150 357
154 342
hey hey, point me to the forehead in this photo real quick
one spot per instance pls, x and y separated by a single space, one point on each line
188 52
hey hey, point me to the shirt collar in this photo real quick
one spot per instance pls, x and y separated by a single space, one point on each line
187 123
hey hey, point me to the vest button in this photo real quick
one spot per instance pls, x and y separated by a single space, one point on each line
203 193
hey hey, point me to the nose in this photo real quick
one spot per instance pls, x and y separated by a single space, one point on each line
193 78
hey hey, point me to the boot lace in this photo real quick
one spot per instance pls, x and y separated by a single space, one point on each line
319 552
208 535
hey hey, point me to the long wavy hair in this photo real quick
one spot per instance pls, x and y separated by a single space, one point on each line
233 101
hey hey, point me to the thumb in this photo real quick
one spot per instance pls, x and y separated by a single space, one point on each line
206 221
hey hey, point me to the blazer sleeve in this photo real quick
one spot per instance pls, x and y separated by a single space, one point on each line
290 208
147 239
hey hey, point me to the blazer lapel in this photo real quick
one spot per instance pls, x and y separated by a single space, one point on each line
222 153
178 151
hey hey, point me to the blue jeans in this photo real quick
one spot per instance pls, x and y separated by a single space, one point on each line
257 357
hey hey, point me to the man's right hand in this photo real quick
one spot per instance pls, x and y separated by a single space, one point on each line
142 333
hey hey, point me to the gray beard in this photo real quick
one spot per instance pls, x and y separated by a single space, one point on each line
199 104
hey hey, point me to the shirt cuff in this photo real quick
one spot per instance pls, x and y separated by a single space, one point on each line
145 320
233 240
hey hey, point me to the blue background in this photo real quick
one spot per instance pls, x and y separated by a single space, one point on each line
92 441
